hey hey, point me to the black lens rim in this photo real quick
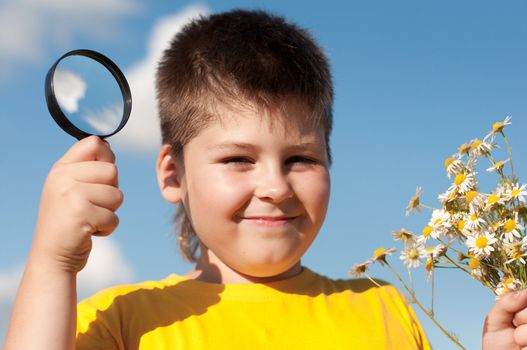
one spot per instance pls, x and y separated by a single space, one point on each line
58 115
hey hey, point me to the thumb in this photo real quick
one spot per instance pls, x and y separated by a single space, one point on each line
502 313
88 149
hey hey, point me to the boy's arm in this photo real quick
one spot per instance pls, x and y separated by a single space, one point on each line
79 199
505 327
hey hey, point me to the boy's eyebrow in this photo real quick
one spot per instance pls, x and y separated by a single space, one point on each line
231 146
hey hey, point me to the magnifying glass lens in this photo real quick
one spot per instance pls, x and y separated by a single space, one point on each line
88 94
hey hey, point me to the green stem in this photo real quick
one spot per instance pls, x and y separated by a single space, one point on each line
428 313
509 153
456 264
433 291
428 207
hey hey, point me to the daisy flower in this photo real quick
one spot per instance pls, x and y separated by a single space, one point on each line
427 230
403 235
440 222
412 255
498 127
495 198
414 203
453 166
516 252
481 244
474 200
498 166
437 251
460 223
507 284
511 228
449 196
480 148
464 182
380 255
476 268
473 221
464 149
517 191
360 269
429 267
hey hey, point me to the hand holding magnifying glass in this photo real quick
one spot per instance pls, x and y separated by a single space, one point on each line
87 94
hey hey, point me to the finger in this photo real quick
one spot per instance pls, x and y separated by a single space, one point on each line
520 318
520 336
502 314
89 148
101 221
94 172
104 196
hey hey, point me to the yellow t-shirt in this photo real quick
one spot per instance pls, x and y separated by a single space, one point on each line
308 311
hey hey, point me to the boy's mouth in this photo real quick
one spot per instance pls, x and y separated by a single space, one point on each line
270 220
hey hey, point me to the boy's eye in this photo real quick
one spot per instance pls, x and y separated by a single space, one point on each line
300 159
237 160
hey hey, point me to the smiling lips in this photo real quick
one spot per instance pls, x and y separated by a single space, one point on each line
270 220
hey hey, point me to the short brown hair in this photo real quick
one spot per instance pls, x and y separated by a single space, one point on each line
237 56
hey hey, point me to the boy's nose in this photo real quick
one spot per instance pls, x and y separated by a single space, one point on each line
273 185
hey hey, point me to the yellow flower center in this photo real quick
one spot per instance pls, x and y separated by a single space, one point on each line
448 161
464 148
492 199
429 264
469 197
438 221
473 217
481 242
515 192
499 165
474 264
413 253
509 225
378 252
427 230
461 225
476 144
459 179
508 281
498 126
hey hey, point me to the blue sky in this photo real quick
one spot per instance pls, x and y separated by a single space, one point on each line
413 80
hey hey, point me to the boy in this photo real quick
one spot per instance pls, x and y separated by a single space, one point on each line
245 104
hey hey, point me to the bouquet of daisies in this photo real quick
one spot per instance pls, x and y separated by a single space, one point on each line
480 232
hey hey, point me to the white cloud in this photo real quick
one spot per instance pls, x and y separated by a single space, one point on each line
106 267
106 119
142 131
69 89
36 25
9 283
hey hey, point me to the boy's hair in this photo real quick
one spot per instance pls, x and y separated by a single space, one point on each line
234 58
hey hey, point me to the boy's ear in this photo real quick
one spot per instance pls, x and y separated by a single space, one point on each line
168 175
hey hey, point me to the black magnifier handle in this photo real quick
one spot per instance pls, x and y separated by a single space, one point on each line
57 113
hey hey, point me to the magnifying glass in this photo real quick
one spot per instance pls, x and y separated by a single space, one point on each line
87 94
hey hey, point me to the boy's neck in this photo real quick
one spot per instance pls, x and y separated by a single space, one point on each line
218 272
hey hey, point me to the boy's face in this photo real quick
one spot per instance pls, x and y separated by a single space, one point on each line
256 193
